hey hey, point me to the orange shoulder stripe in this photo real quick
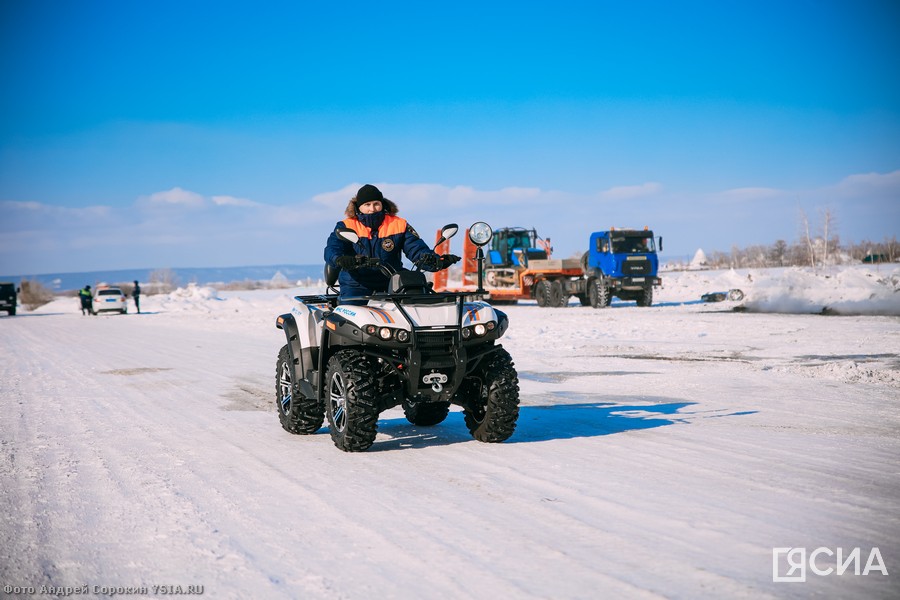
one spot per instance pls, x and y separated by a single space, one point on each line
361 230
392 225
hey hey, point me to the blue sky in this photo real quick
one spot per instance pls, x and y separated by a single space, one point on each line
175 134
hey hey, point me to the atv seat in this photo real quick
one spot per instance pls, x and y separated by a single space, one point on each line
408 282
331 275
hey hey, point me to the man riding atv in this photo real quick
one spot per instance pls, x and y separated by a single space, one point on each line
350 359
383 236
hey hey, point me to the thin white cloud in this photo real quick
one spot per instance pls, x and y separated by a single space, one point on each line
174 197
17 214
337 199
750 193
232 201
863 184
628 192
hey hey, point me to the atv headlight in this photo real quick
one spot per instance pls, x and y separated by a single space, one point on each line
385 333
402 336
478 330
480 233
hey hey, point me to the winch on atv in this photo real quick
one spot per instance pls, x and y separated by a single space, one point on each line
409 346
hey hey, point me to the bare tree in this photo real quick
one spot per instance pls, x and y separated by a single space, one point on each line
778 253
805 235
829 234
891 248
163 280
33 293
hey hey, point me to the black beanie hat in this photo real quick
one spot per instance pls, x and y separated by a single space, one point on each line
368 193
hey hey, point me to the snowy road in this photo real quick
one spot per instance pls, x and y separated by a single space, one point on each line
660 452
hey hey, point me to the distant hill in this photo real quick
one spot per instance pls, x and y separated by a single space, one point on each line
59 282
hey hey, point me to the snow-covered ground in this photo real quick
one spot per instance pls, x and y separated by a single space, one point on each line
660 452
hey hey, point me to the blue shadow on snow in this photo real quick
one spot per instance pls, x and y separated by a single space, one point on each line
545 422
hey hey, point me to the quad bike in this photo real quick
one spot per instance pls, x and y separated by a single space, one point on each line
410 347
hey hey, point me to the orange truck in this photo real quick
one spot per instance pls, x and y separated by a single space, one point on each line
518 268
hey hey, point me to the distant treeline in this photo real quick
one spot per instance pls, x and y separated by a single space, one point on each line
805 253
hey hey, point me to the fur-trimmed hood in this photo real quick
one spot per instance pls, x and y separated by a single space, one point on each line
389 207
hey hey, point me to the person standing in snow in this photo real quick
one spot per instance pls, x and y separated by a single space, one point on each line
382 235
136 293
87 300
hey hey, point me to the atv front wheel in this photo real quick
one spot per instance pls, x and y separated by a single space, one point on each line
351 401
426 414
491 399
296 413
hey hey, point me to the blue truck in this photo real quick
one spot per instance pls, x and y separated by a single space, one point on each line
621 263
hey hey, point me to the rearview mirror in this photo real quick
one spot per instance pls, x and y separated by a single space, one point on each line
447 232
348 235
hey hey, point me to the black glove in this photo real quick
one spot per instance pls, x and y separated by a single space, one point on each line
347 263
430 262
449 259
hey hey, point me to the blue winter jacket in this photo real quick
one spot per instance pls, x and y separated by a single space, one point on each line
386 243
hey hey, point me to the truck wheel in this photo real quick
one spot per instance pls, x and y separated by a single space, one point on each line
490 399
542 293
350 401
557 296
645 298
426 414
296 413
599 294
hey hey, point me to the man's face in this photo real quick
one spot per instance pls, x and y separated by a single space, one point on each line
370 207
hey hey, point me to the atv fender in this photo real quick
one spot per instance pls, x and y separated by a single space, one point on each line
301 358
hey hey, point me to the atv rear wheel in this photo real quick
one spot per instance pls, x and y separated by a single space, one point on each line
490 399
426 414
351 405
296 413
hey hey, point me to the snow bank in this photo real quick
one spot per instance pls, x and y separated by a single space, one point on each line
857 291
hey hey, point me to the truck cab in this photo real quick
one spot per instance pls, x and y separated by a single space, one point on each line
623 263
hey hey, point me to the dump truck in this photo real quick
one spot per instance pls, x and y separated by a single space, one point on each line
620 263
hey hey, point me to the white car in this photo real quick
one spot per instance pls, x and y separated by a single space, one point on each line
110 299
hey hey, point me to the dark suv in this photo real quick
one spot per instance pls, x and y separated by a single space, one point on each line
8 292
